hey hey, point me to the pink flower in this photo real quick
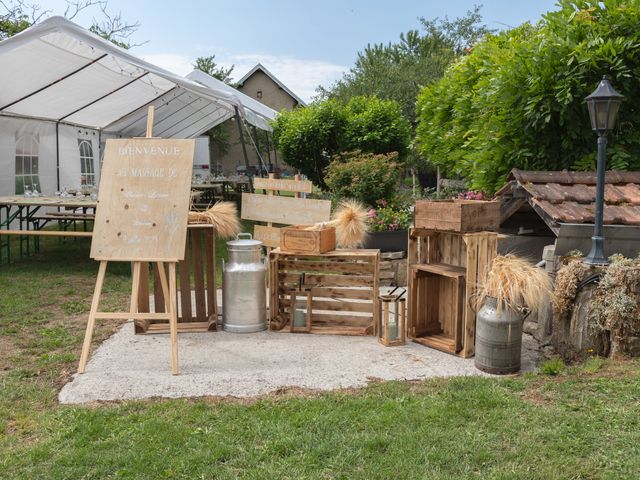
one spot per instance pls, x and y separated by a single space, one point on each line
372 213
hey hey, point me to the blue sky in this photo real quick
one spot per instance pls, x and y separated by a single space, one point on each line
303 43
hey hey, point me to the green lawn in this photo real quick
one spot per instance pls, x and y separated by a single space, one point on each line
581 424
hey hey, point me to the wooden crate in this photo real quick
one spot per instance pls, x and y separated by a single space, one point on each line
445 269
343 290
196 272
297 239
457 215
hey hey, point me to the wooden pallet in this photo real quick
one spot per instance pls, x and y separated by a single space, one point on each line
343 289
445 269
196 272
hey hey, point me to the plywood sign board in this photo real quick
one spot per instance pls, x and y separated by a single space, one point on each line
284 210
143 201
269 236
301 186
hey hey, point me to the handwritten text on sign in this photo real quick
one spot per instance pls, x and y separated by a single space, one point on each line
143 200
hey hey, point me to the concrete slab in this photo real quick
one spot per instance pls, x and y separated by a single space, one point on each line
129 366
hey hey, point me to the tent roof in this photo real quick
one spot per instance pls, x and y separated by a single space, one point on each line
257 114
59 71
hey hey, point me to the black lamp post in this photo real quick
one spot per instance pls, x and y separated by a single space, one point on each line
603 105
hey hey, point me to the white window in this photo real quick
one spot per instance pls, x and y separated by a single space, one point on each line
27 163
87 170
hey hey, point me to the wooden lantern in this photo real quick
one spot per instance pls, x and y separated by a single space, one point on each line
392 326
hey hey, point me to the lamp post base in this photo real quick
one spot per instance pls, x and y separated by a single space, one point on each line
596 255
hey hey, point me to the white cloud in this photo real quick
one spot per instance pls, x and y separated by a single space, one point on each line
301 76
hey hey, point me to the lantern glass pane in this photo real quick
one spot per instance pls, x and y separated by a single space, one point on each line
613 114
592 114
602 115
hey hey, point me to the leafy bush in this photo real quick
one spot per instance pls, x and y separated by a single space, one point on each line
366 177
517 100
309 137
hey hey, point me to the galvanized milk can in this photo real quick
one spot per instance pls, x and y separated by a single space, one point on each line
244 292
498 338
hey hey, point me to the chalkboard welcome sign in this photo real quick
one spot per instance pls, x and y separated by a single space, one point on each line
143 201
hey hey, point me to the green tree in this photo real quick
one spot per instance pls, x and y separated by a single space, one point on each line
209 66
396 71
309 137
518 99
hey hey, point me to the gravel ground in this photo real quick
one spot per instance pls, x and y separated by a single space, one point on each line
129 366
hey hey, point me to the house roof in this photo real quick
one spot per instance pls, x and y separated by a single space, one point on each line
61 72
261 67
569 197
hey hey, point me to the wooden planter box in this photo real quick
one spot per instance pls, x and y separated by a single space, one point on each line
457 215
296 239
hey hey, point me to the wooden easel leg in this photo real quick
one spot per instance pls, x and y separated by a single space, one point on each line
173 320
163 283
135 287
86 346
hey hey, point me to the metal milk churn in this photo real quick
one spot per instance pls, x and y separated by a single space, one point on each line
498 338
244 291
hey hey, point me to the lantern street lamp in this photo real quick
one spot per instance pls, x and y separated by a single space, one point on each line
603 105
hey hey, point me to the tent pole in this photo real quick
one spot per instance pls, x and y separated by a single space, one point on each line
266 135
244 149
255 135
57 156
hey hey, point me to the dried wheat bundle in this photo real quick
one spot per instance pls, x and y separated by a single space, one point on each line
350 222
223 216
517 283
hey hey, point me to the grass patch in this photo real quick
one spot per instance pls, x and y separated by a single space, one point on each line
581 423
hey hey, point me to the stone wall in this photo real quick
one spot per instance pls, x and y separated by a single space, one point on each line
393 269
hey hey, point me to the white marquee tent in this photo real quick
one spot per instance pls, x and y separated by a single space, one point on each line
63 89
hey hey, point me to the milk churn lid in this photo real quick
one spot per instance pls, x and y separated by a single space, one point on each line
244 240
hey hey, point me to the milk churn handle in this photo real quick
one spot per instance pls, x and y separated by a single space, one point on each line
246 235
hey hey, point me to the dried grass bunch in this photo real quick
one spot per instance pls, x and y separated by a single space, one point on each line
350 221
223 216
516 283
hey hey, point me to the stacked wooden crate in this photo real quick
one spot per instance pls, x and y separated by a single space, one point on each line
447 260
336 290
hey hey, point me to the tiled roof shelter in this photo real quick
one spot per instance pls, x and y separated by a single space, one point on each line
569 197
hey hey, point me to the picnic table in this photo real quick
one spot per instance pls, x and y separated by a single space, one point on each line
26 214
226 189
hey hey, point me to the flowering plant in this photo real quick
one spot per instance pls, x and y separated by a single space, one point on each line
471 195
386 217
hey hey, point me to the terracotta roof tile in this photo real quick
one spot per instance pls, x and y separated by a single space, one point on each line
569 197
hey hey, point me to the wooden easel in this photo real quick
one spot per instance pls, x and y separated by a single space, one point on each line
168 290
